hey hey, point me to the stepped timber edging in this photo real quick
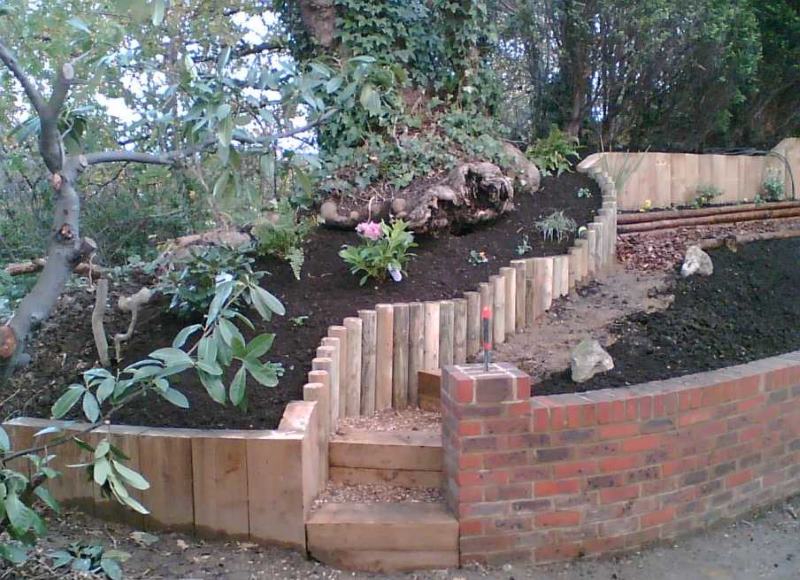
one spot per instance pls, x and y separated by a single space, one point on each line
256 485
667 179
559 477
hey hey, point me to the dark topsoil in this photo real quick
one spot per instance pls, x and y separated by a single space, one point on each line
747 310
326 294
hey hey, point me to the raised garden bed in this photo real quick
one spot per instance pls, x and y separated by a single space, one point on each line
747 310
326 294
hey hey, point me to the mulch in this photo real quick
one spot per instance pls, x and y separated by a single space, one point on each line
326 294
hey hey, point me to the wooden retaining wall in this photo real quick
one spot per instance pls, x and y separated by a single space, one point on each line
381 351
672 179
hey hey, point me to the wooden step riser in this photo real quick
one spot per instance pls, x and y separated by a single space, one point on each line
386 562
388 451
398 477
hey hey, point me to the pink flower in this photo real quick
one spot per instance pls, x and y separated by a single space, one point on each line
370 230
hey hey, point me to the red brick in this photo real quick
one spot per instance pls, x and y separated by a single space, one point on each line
470 528
558 519
524 388
541 419
616 494
632 409
658 518
470 494
464 391
468 478
750 404
469 428
558 552
522 409
643 443
782 378
504 426
618 431
466 462
738 478
558 418
695 416
621 463
556 487
494 390
576 468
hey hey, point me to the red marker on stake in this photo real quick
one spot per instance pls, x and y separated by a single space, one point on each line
486 317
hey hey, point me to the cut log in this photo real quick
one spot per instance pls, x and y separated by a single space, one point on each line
637 218
725 218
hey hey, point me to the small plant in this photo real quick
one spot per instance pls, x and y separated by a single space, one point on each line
758 200
552 154
773 188
283 235
705 195
384 250
556 226
524 247
646 206
298 321
584 193
192 287
90 559
477 258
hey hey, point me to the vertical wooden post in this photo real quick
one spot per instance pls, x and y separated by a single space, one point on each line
354 328
473 322
316 379
460 331
591 242
498 284
431 359
321 374
369 336
416 349
543 281
510 275
574 267
400 362
519 307
583 247
384 357
340 333
530 293
446 332
332 353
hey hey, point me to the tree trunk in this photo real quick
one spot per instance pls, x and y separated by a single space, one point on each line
319 18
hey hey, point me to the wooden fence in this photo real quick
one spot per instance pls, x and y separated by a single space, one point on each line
662 180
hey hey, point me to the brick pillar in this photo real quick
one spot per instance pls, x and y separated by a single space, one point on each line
483 413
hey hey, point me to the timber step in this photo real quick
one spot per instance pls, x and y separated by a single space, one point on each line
383 537
402 458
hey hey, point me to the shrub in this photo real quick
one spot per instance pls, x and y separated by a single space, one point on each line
193 285
383 251
705 195
584 193
773 189
556 226
283 235
553 153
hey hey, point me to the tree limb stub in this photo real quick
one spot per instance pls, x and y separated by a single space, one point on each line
130 304
98 327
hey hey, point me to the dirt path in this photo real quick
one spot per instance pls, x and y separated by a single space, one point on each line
546 348
760 546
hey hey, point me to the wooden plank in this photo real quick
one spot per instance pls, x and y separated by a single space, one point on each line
167 466
400 359
398 477
383 526
220 487
510 275
384 356
416 348
369 369
519 294
354 328
340 333
277 503
317 389
431 356
416 450
460 331
447 313
473 322
430 390
662 186
336 376
386 561
499 311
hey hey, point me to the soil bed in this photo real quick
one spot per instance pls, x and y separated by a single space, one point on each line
326 294
747 310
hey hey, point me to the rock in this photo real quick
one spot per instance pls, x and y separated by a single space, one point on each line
525 173
399 205
696 262
589 359
329 210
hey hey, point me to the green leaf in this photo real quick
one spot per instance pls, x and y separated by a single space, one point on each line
183 335
238 386
221 295
172 356
265 303
111 568
47 498
214 387
90 407
134 479
210 367
101 471
102 449
79 24
176 398
370 99
66 401
229 332
13 553
106 389
264 374
5 442
259 346
19 515
159 9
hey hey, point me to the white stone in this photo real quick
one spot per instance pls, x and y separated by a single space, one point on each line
696 262
589 359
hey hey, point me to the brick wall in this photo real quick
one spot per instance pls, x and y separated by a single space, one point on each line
558 477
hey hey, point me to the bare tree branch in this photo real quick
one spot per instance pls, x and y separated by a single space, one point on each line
30 88
61 87
128 157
